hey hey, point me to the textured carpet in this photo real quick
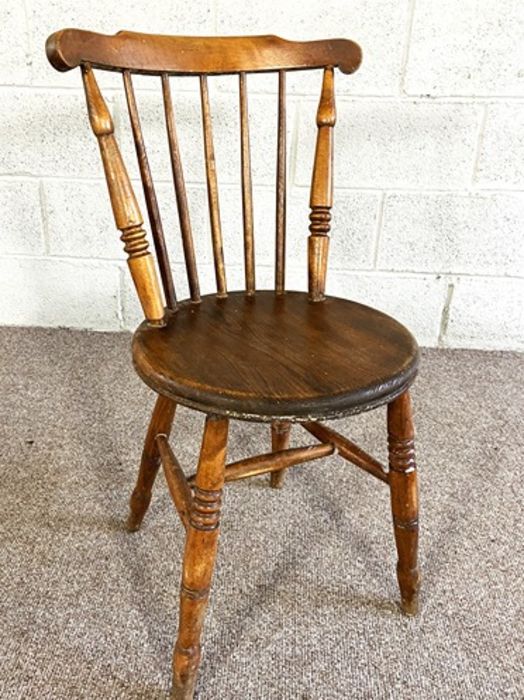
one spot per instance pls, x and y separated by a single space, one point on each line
304 604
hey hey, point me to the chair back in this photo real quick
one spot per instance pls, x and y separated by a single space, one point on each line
163 56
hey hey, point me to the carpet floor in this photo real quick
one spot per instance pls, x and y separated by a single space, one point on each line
304 600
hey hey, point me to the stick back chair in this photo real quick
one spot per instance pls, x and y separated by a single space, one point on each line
274 356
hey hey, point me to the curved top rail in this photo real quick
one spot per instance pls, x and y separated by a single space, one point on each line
186 55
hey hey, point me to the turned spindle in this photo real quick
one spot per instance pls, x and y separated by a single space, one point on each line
404 498
150 194
200 554
126 211
321 199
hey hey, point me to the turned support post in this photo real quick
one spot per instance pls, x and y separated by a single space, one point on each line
321 198
128 218
404 498
199 555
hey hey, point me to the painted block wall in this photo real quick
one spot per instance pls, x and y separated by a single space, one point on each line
428 221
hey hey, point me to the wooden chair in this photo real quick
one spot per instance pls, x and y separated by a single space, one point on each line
273 356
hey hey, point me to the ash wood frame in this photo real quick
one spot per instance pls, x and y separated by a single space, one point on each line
198 498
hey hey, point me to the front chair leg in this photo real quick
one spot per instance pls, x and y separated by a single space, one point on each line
199 556
404 498
280 432
161 422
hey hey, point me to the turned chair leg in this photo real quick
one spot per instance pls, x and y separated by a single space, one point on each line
161 422
199 556
280 433
404 498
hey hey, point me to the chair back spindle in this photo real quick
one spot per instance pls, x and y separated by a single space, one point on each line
180 192
149 194
247 189
280 255
126 211
321 199
212 190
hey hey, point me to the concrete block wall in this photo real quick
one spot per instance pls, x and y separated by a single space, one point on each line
429 201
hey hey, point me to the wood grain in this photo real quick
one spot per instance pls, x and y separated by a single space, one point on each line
180 192
404 498
281 203
175 479
339 357
247 188
321 199
150 195
273 462
348 450
161 422
128 218
274 356
280 434
212 190
186 55
199 556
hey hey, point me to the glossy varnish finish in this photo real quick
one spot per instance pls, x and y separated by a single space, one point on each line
247 189
161 422
347 449
321 199
280 248
128 218
199 555
187 55
404 498
149 194
180 191
276 356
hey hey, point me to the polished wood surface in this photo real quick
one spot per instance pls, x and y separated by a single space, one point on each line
275 356
175 479
247 188
150 194
404 498
281 189
275 462
280 434
348 450
321 198
199 555
187 55
161 422
338 357
128 218
180 191
212 190
249 53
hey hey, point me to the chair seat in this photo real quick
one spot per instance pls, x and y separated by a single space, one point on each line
272 356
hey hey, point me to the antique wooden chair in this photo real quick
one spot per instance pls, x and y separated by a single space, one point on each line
274 356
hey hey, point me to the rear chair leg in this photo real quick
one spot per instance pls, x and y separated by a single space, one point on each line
280 433
161 422
199 556
404 498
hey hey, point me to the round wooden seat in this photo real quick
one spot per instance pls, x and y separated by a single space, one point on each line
277 356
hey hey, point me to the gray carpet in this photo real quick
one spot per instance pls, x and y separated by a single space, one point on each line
304 604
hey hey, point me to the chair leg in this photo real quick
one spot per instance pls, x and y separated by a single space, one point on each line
404 498
280 433
199 556
161 422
